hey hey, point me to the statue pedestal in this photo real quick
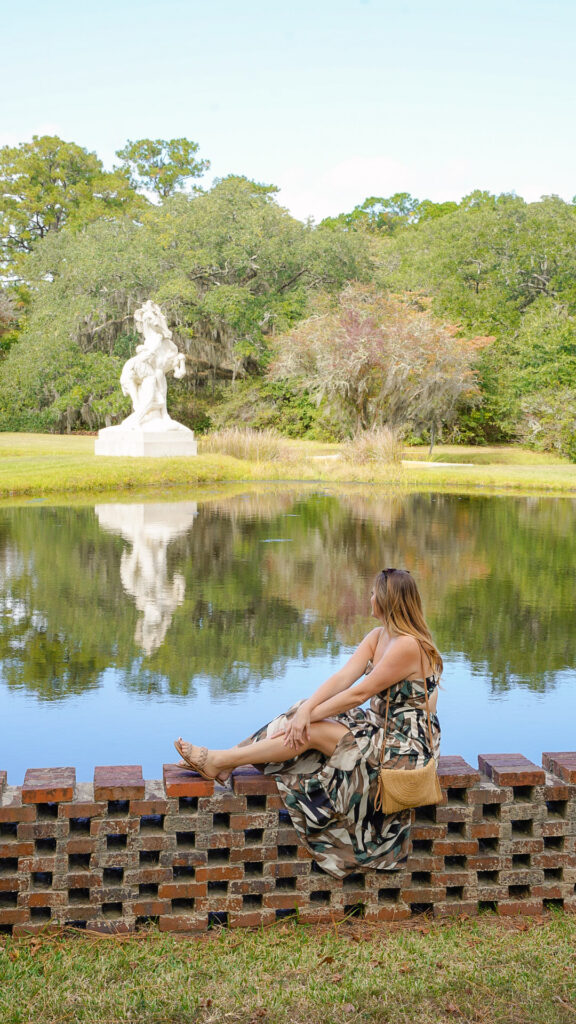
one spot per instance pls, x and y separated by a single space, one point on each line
145 443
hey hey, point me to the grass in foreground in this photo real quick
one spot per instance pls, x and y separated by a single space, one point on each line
40 464
486 970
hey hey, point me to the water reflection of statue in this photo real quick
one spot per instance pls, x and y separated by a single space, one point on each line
149 430
143 377
143 568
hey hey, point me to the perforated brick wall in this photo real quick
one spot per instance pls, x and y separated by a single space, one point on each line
116 853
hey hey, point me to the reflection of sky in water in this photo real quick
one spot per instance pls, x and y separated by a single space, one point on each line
114 726
247 600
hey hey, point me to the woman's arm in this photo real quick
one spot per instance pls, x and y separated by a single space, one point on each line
299 726
400 660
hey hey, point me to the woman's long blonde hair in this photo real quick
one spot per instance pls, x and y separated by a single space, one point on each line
398 601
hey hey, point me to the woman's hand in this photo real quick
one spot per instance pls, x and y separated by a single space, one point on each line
297 731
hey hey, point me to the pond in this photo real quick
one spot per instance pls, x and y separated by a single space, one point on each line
123 625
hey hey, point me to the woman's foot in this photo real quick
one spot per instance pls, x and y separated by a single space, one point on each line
198 759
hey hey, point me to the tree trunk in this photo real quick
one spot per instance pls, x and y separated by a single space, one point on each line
432 438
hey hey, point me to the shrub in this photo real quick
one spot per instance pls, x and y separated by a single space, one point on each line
245 443
382 444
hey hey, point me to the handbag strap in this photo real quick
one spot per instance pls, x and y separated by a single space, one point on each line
383 749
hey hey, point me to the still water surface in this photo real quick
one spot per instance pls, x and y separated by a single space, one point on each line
123 625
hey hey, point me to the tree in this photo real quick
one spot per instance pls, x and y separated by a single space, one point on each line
229 267
162 166
377 215
379 359
48 183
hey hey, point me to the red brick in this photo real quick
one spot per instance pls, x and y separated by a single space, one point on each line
168 923
562 763
16 849
13 915
181 782
511 770
181 890
393 913
248 780
109 927
48 785
118 782
11 883
86 845
485 830
15 811
283 901
83 809
150 908
144 807
455 847
455 772
252 919
219 873
286 869
508 908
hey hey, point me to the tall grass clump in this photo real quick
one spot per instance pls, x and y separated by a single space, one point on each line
382 444
245 443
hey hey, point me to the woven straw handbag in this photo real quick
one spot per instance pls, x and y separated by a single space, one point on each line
401 788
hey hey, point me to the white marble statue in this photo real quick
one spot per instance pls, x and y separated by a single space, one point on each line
149 529
143 377
149 430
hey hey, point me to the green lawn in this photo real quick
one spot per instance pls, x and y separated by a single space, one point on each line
52 464
487 970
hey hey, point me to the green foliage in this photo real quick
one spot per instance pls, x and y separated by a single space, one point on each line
162 166
230 267
273 404
549 421
48 183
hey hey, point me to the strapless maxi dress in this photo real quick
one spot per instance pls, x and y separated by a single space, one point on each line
330 800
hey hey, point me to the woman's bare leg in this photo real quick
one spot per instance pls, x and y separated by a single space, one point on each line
324 736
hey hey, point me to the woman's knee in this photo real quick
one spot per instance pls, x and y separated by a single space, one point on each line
325 736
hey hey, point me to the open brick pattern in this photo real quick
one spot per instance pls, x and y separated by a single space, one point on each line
114 854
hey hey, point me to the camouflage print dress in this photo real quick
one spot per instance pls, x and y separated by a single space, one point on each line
331 799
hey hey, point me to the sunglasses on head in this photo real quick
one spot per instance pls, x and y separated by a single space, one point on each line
386 571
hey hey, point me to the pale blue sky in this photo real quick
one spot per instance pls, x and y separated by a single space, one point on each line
332 100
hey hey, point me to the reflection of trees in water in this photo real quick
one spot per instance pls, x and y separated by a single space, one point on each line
271 578
518 624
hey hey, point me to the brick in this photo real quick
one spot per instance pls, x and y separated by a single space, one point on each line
455 848
16 849
223 802
286 869
398 912
83 809
562 763
86 845
194 923
109 927
16 811
219 873
485 830
3 781
48 785
283 901
150 907
118 782
248 780
141 808
527 907
511 770
13 915
252 919
455 772
181 782
11 883
181 890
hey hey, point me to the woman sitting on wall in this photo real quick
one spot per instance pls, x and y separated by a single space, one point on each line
325 751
